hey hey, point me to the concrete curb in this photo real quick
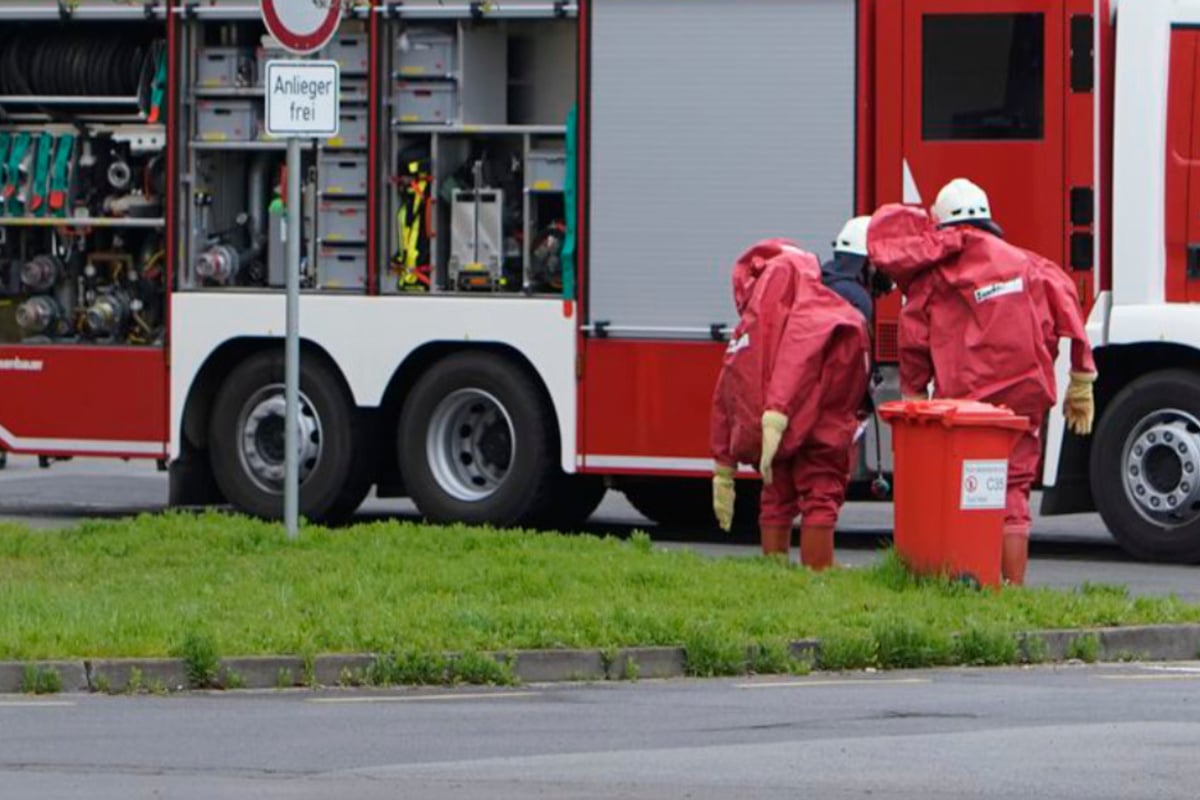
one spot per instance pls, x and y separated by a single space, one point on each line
136 674
14 676
1141 643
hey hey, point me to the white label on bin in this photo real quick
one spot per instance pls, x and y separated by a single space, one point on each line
984 485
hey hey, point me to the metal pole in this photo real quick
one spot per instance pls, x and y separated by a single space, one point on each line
291 481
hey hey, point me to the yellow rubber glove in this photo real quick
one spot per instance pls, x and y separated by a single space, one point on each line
723 496
1079 406
773 426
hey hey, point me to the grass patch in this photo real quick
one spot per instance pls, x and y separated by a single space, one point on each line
1084 648
201 662
901 643
847 651
136 683
181 584
412 668
419 668
40 680
986 647
1033 650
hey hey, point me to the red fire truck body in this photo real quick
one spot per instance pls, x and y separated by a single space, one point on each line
457 349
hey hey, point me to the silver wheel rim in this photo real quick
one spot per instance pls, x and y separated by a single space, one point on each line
261 433
470 445
1161 468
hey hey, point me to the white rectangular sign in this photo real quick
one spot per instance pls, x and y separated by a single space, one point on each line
984 485
303 98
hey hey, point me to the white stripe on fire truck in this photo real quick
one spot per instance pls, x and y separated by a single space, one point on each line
653 463
14 442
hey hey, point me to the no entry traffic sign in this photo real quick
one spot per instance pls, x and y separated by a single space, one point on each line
302 26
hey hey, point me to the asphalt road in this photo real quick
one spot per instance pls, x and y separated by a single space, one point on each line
1060 733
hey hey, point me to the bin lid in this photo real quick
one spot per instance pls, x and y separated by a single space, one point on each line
954 413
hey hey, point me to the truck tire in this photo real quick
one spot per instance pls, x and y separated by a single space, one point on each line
246 439
474 443
359 480
1145 467
686 504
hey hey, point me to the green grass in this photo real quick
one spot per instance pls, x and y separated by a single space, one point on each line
210 586
40 680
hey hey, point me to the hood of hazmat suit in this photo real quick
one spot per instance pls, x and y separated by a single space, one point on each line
982 318
799 349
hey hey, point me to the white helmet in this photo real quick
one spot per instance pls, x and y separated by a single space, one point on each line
853 238
960 200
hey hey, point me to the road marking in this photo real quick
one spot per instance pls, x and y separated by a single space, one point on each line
848 682
423 697
1151 677
35 703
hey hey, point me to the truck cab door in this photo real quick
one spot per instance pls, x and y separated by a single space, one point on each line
983 87
1183 169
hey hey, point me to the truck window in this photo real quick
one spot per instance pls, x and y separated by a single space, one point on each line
982 76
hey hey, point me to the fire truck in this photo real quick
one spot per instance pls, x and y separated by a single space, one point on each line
517 250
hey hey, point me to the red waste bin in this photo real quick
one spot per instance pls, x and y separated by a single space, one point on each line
951 477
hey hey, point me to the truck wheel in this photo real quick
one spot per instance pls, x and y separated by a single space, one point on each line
686 503
359 480
473 443
1145 467
247 444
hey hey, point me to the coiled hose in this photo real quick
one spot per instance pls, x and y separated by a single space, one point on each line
58 60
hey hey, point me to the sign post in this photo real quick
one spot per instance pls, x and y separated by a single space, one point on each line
302 99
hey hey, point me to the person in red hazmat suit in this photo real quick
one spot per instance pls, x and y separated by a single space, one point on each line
982 321
788 398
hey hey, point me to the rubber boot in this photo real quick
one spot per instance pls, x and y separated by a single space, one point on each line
816 546
776 540
1014 557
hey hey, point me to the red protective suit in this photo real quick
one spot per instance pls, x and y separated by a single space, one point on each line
982 320
803 351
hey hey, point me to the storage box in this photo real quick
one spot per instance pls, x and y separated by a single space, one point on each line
546 170
425 53
352 130
227 120
351 51
341 221
342 174
265 54
477 239
225 67
354 89
341 268
426 102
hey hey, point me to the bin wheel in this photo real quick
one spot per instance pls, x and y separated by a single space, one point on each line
1145 467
